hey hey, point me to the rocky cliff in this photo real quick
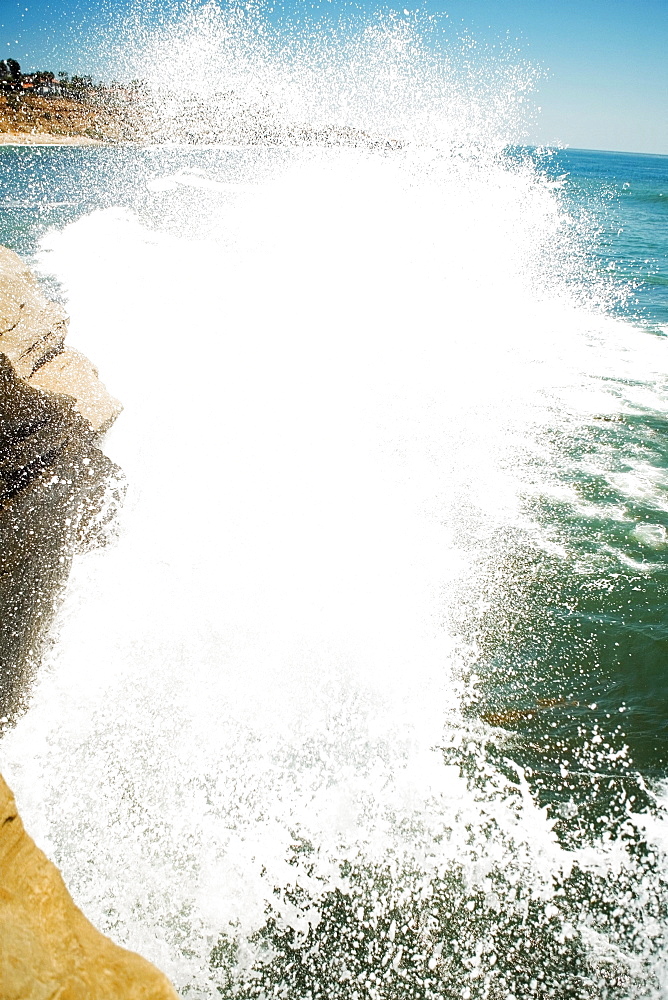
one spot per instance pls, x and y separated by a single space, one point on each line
56 487
57 491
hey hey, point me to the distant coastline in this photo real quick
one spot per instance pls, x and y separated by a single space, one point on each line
42 109
47 139
33 119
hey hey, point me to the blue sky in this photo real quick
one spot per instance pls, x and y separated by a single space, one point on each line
606 61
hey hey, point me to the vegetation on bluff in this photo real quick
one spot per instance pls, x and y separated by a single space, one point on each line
45 106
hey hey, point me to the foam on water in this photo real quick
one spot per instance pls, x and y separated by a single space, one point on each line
339 368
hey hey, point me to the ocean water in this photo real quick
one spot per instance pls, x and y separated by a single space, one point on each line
365 697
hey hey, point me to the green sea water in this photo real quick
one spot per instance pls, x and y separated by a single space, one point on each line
596 629
576 648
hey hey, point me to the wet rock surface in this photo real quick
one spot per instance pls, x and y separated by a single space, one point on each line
58 491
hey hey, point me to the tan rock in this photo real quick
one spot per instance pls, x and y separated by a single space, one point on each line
48 949
32 336
31 326
70 373
58 491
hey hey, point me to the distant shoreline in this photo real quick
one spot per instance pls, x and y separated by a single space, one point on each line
35 120
47 139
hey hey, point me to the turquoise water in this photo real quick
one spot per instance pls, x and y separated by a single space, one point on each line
618 632
563 632
628 195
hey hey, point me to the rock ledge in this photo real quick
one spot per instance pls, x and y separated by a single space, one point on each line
48 949
57 489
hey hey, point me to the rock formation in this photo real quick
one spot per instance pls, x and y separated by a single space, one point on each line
94 116
48 949
57 489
